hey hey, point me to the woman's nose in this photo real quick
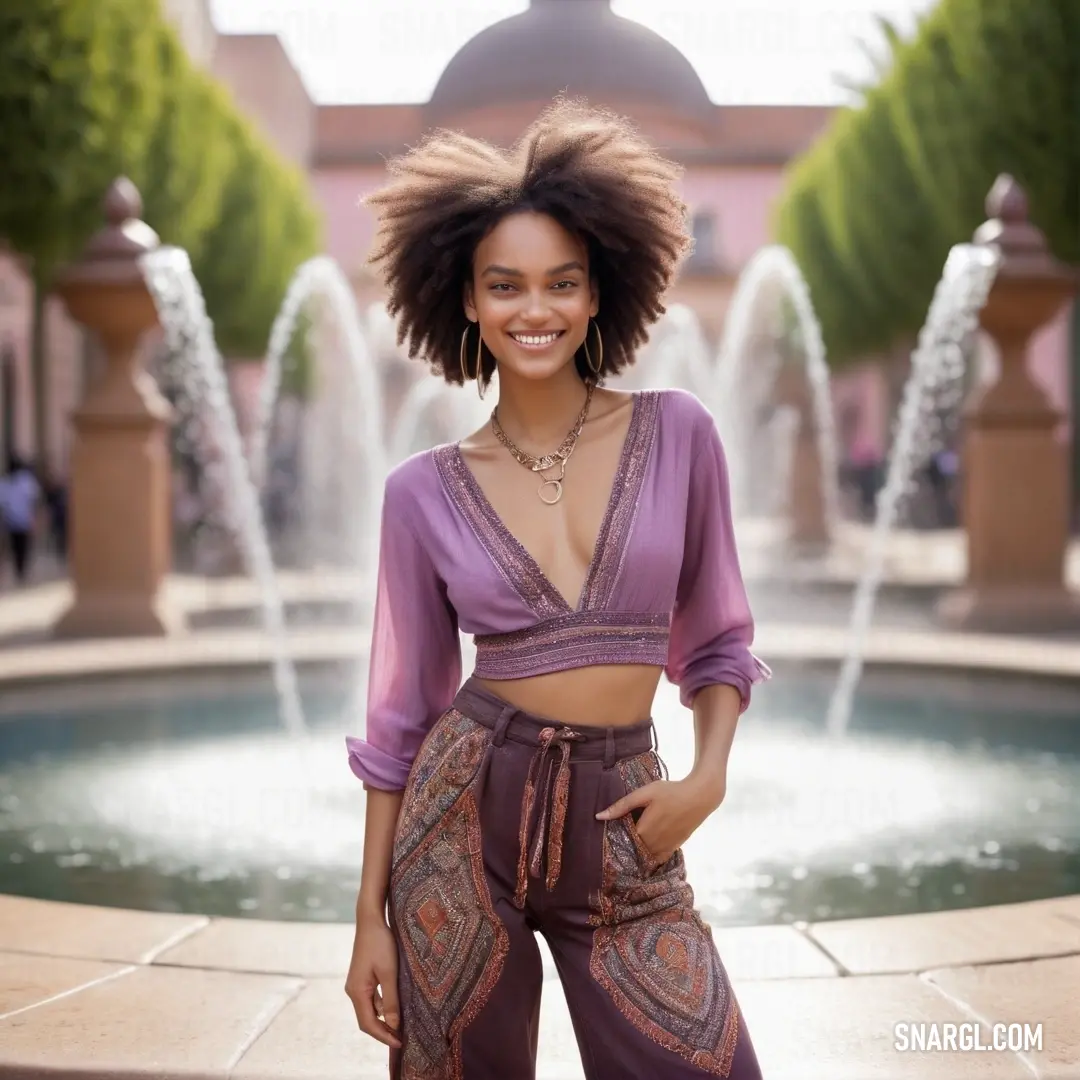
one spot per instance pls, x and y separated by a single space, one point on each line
536 306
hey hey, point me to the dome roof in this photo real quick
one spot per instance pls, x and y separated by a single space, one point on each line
580 46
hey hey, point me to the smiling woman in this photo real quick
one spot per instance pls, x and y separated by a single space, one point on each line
532 797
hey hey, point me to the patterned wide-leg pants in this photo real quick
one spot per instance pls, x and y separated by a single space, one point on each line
497 840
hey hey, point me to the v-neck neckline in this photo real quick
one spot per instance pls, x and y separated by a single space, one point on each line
544 596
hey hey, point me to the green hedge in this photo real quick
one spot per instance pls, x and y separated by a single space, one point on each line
871 211
80 92
92 89
265 230
181 176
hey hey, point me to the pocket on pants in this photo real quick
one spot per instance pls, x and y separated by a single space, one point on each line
651 951
635 882
635 773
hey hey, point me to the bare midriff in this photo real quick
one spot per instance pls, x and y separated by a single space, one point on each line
607 695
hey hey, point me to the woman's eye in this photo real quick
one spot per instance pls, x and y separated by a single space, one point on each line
502 285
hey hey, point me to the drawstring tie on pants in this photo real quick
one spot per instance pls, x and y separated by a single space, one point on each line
553 802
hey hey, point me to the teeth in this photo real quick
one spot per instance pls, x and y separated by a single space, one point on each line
532 339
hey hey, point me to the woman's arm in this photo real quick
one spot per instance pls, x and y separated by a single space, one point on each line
380 822
716 716
414 671
674 809
372 980
709 655
712 628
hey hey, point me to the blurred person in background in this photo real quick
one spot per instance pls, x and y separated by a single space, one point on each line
20 497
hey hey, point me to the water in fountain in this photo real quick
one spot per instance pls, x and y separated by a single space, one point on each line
676 354
746 375
190 337
353 420
435 411
692 353
186 797
937 368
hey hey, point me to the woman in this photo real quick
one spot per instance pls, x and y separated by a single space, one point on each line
584 538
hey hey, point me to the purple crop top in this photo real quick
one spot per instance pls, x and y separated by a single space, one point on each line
664 586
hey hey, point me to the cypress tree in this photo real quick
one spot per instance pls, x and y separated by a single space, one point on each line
981 89
183 173
266 228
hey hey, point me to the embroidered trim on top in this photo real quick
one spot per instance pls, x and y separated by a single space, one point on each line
518 568
618 523
576 639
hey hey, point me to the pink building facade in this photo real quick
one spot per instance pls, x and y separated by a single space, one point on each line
735 158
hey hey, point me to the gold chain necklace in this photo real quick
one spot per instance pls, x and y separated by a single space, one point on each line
549 461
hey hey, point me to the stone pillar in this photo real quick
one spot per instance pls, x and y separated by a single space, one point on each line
807 526
1015 468
121 512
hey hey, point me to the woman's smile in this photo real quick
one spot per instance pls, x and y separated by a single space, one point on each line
536 343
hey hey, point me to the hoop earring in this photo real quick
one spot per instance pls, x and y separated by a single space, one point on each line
461 356
600 343
480 388
461 360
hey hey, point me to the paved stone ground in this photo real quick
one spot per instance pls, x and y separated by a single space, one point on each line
99 992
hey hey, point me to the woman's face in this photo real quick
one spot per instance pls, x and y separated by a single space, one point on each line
531 295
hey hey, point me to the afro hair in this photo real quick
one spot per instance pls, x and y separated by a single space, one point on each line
585 167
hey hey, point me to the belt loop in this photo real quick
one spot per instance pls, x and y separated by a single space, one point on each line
501 725
609 748
654 739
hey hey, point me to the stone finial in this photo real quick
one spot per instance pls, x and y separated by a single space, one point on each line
1007 201
122 201
125 236
1021 244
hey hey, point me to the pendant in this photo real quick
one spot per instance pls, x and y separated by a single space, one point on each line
557 485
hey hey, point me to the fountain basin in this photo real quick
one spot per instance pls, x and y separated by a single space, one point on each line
954 789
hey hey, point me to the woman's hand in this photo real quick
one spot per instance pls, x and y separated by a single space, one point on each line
374 967
673 809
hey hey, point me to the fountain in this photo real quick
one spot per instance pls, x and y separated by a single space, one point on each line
772 276
750 400
1008 282
349 422
434 411
676 354
937 368
126 784
190 337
